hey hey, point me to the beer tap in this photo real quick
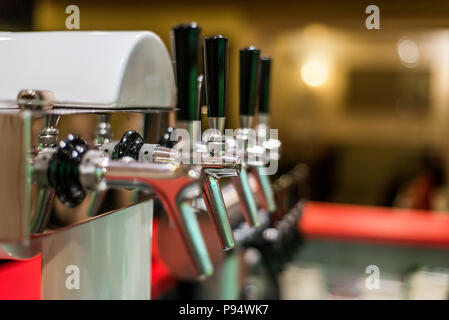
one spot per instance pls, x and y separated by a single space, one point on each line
71 170
270 145
242 144
210 156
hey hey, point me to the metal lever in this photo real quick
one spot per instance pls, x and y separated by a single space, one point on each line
215 67
265 189
249 59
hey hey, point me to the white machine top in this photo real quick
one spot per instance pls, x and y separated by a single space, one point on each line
88 69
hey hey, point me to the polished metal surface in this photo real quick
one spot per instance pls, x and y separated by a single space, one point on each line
265 189
216 207
246 121
49 135
43 211
92 170
270 152
30 99
96 201
65 110
108 147
15 173
40 166
111 255
103 136
158 154
216 165
248 204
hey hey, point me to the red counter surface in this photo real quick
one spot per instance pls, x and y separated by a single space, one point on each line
20 280
375 224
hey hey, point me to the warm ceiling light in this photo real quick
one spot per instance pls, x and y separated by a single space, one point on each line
408 52
314 73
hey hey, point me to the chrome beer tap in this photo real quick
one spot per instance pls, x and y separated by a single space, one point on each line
270 145
72 170
243 142
216 164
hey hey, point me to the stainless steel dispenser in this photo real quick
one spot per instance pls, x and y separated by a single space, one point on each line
102 73
269 145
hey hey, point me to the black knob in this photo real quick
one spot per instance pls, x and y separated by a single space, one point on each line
264 85
249 65
128 146
186 53
63 173
216 67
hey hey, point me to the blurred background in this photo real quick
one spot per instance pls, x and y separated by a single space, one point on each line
367 111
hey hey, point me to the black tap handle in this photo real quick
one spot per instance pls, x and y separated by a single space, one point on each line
216 67
186 53
249 65
264 85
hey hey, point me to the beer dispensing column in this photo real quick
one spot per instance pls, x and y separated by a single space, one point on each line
249 63
270 146
210 151
186 39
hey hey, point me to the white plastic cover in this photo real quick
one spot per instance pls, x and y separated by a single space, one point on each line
124 69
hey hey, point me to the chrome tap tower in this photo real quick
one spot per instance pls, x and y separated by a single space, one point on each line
84 201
